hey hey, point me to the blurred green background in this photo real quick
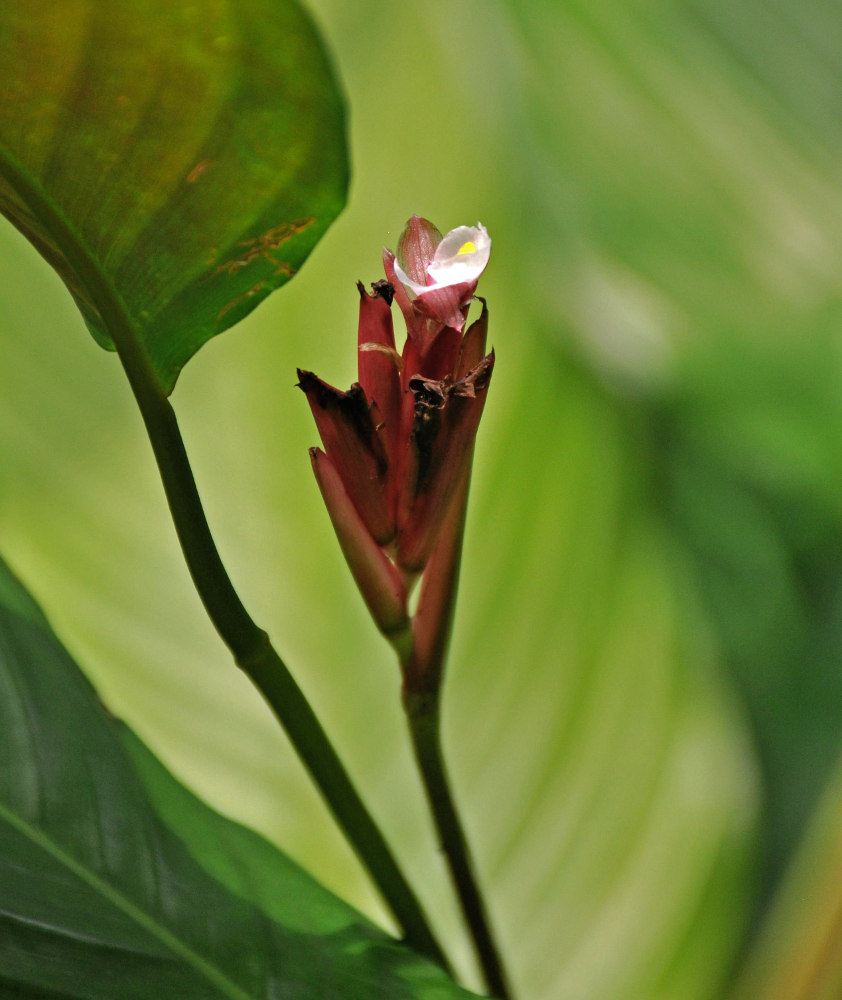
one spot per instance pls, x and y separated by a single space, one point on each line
644 695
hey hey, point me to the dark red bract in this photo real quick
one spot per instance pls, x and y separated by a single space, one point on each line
398 444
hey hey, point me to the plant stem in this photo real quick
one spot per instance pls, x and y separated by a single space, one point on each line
423 673
255 655
248 643
423 716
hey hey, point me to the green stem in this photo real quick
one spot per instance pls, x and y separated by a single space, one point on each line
248 643
255 655
423 716
423 672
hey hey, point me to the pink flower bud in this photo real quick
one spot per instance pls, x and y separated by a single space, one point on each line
398 445
440 274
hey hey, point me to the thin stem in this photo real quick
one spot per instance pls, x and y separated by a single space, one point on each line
423 673
425 729
248 643
255 655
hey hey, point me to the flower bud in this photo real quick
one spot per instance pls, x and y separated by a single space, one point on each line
440 274
398 445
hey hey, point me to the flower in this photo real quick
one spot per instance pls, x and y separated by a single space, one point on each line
460 257
398 444
435 277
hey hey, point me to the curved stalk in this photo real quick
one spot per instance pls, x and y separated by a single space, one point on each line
255 655
248 643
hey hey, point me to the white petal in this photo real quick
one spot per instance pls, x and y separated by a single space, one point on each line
462 255
404 279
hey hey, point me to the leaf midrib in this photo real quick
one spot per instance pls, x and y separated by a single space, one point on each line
143 919
87 268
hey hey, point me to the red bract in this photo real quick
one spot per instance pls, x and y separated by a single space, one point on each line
398 444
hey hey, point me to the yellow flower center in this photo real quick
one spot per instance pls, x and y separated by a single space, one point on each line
467 248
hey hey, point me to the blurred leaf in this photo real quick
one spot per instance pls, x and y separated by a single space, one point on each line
174 162
798 953
686 171
749 477
115 882
631 800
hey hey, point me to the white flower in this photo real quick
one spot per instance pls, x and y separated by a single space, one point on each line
461 257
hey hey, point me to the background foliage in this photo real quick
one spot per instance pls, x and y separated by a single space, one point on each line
644 695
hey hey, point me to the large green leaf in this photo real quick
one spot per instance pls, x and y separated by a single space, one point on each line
174 162
686 179
798 953
115 882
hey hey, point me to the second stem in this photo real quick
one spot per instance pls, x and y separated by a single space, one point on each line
424 720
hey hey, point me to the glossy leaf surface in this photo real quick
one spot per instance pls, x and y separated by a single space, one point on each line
174 162
116 882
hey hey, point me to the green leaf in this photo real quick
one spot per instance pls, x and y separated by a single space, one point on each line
796 955
748 482
116 882
689 229
174 162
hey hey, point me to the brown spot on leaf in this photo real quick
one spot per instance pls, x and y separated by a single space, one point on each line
198 170
263 246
